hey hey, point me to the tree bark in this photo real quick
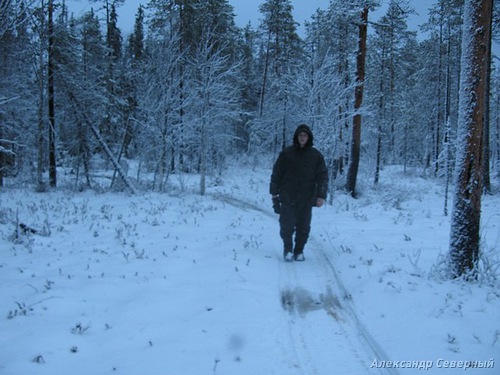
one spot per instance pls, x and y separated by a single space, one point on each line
486 132
465 220
352 171
380 117
51 100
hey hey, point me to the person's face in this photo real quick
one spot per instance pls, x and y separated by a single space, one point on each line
303 137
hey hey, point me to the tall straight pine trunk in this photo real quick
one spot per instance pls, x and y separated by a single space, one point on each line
465 220
51 100
486 131
352 172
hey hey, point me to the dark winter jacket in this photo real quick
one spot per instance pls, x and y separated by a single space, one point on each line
299 175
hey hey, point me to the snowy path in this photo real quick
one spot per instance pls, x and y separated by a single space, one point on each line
320 317
186 285
181 284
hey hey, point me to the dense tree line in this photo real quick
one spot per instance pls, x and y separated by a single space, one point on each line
188 89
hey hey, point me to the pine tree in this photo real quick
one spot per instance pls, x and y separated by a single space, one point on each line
352 171
281 49
465 221
136 38
134 63
17 92
51 98
445 27
336 39
249 88
113 37
391 83
216 17
89 104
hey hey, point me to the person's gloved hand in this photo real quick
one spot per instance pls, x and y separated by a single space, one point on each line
320 202
276 205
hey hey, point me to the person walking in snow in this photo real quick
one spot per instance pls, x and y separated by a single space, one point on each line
299 182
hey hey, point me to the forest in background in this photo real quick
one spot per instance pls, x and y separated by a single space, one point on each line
187 89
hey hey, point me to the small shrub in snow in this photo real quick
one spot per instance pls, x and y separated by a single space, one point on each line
360 216
414 259
345 249
488 267
38 359
48 285
485 272
496 336
452 340
106 212
79 329
22 310
139 254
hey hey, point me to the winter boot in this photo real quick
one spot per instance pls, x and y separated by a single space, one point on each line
299 257
287 255
298 254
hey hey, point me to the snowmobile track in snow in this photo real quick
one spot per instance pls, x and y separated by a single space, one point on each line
313 293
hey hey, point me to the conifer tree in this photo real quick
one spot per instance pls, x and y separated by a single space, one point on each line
51 98
17 92
352 172
445 28
336 36
249 88
389 83
281 49
136 38
465 220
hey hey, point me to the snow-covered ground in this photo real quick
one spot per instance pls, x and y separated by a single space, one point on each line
185 284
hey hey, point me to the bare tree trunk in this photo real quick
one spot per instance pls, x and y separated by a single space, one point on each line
161 170
115 163
84 152
486 132
380 117
40 142
465 220
447 133
104 146
352 171
2 152
283 120
51 99
264 78
497 135
203 159
439 114
122 150
41 99
448 162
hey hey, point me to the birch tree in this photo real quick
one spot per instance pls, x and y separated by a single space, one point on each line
161 104
466 215
215 100
331 41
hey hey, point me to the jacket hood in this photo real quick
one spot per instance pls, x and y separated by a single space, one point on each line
303 128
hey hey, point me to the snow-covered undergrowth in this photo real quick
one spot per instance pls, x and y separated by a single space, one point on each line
186 284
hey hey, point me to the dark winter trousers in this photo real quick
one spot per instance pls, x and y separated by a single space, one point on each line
295 219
